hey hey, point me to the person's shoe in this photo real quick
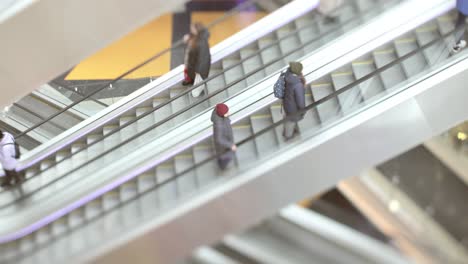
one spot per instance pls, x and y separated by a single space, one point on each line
187 83
296 131
330 19
21 178
288 138
459 46
5 184
198 91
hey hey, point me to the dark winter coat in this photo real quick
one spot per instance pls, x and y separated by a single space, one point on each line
198 56
294 96
462 6
223 136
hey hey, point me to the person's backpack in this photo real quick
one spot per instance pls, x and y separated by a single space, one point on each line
17 151
280 86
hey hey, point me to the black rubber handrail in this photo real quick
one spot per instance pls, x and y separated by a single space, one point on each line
250 138
172 116
175 45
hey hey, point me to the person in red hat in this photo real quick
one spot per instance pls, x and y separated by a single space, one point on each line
223 135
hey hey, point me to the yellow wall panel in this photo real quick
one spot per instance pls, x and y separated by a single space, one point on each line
227 28
128 52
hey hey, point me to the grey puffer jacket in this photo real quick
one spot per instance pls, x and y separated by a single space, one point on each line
223 136
199 57
294 96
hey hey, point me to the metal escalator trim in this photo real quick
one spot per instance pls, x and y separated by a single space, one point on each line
52 102
226 47
207 255
38 116
189 107
177 44
38 134
246 250
68 88
314 236
178 175
339 234
40 95
235 254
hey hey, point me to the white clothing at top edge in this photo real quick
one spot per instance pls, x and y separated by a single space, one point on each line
7 152
328 6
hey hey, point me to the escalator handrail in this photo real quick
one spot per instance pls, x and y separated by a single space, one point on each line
252 137
187 108
175 45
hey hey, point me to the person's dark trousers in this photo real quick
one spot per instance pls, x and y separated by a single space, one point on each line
223 163
9 176
460 27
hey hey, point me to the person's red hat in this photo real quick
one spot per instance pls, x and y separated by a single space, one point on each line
222 109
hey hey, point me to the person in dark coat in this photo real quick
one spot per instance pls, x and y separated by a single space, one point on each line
460 26
294 99
197 56
223 136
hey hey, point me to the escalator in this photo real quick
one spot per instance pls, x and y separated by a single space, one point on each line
68 166
174 185
274 50
71 157
37 106
297 235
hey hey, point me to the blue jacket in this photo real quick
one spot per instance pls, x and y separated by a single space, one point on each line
462 6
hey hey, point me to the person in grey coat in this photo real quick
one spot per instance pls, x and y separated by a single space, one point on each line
294 99
223 136
197 56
